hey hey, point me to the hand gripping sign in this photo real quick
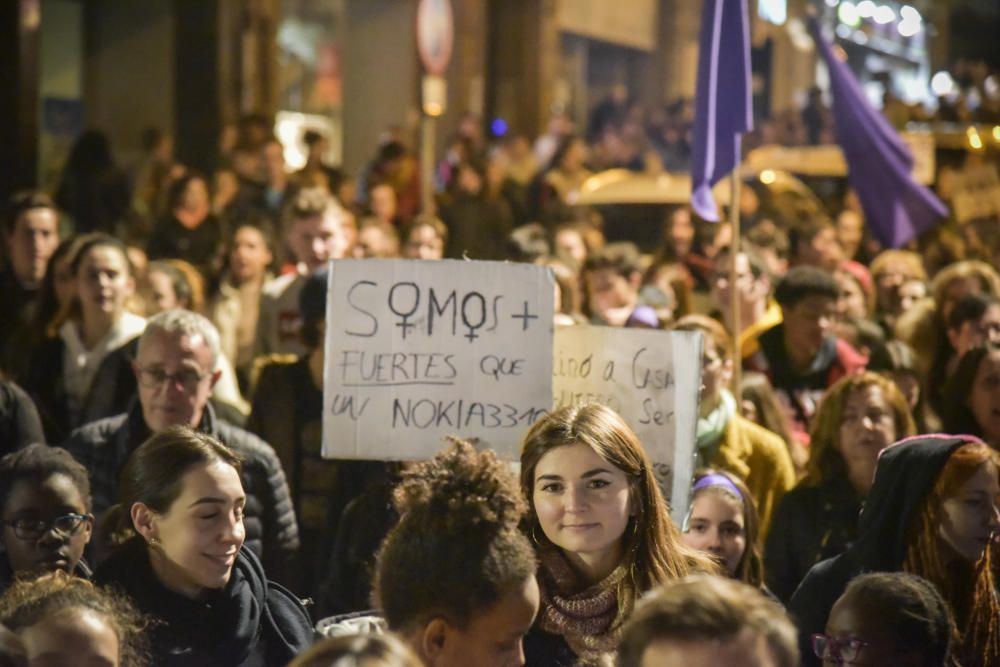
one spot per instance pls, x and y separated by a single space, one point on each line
419 350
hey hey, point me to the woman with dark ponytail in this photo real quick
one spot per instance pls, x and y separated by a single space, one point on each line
182 560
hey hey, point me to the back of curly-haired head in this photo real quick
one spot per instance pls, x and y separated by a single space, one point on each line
912 608
456 548
704 608
30 601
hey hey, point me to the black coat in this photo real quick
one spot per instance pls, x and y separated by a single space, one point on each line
249 622
19 422
272 533
810 524
905 474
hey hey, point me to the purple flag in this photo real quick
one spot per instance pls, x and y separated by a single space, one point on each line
879 164
723 107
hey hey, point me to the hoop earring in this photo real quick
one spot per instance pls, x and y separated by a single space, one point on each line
534 536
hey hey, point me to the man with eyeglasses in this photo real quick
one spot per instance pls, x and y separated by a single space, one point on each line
174 371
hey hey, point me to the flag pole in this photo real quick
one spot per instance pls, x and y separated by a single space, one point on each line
734 293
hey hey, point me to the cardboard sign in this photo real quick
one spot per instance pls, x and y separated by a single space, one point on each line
416 351
651 378
977 193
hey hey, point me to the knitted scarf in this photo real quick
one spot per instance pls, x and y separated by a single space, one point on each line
712 427
587 619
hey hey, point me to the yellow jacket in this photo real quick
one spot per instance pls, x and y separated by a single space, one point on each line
759 458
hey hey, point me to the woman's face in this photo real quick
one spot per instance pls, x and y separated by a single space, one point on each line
103 282
582 503
197 539
161 294
195 195
716 527
861 635
682 231
956 290
867 426
973 333
570 244
74 636
851 301
249 256
32 502
984 398
423 243
969 518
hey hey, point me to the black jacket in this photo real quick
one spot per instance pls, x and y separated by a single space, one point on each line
249 622
19 422
905 474
810 524
272 533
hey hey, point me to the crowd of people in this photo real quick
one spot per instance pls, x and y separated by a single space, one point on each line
164 500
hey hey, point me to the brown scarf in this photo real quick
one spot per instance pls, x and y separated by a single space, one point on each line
587 619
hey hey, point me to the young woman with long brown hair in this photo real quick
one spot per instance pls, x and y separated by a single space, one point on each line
601 529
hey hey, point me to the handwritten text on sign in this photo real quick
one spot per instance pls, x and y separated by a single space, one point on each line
651 378
416 351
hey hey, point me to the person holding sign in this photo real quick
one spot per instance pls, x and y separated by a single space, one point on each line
601 530
725 439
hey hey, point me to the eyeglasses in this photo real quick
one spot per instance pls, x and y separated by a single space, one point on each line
33 529
843 650
155 377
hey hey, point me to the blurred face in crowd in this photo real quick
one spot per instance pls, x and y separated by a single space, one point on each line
161 295
569 243
175 374
851 302
867 426
716 526
469 180
491 638
48 538
747 649
608 291
195 542
195 197
969 518
74 636
318 239
955 291
807 323
104 282
583 506
850 229
274 161
249 256
888 284
752 290
423 243
822 251
860 636
34 239
682 231
909 293
375 241
716 373
973 333
574 157
383 202
984 397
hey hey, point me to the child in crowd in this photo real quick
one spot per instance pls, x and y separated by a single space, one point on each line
722 521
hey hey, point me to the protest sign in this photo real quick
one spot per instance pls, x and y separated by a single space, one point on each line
651 378
416 351
977 193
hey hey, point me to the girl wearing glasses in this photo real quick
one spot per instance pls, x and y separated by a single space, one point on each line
183 561
887 618
931 512
45 508
601 530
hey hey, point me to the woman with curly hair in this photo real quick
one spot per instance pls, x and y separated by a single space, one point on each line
931 512
70 621
455 578
601 528
859 417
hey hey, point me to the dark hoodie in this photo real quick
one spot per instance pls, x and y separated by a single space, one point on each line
249 622
905 474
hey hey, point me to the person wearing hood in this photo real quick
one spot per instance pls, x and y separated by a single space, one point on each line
931 512
181 559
